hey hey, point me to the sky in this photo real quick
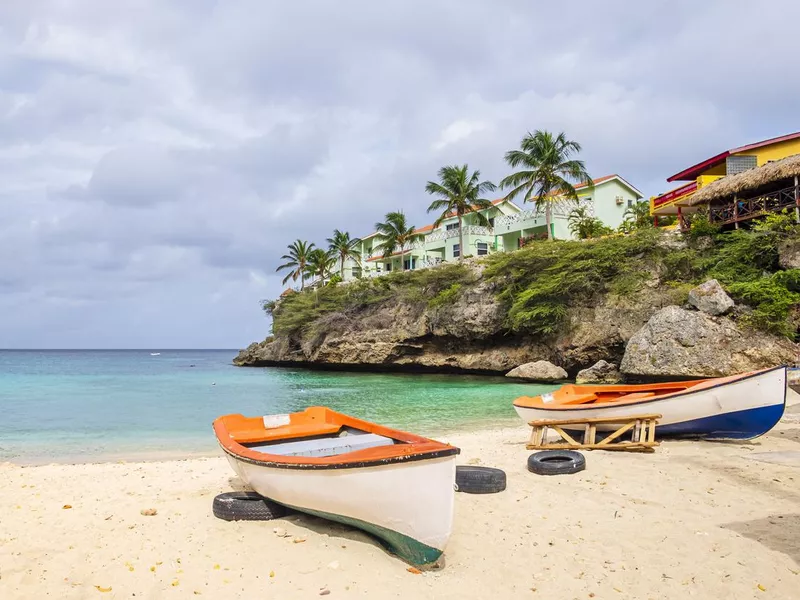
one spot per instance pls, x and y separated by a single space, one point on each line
157 156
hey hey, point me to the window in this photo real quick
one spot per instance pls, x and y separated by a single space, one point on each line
491 222
456 250
738 164
451 226
630 203
388 267
356 272
483 248
409 264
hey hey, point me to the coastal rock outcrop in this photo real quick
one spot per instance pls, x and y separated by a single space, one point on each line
710 298
677 342
789 254
600 372
540 370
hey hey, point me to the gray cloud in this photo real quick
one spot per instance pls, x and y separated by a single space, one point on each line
158 156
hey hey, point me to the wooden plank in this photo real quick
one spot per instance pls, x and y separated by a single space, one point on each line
592 434
582 421
652 437
617 433
566 436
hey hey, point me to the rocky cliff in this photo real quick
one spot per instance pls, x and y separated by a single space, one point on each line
569 303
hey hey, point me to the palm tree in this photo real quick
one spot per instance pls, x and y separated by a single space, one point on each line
458 193
548 172
638 216
395 233
585 226
343 247
319 264
297 259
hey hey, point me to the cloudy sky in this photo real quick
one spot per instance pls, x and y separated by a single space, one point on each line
156 156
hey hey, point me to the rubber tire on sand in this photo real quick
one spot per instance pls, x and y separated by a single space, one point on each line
480 480
556 462
246 506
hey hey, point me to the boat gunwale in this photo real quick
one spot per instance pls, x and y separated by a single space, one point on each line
677 394
412 448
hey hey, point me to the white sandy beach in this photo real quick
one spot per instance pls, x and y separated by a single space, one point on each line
697 520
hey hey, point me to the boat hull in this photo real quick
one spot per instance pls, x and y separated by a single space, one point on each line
408 506
736 408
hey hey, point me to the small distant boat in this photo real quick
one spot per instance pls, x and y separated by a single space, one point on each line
395 485
738 407
155 354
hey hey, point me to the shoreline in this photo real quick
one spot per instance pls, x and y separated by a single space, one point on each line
694 518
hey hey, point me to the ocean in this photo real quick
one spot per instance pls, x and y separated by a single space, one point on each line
82 406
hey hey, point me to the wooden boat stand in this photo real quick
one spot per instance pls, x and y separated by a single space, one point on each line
643 436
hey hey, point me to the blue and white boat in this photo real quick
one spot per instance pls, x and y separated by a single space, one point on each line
738 407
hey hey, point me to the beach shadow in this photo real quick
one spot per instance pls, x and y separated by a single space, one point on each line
776 532
319 525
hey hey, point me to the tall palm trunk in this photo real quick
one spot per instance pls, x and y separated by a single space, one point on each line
460 240
341 269
402 257
548 217
303 277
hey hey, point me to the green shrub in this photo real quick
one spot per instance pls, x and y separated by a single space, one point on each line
772 302
446 296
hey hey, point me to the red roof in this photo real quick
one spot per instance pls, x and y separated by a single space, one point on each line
694 171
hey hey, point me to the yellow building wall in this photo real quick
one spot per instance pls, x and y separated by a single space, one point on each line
773 151
718 170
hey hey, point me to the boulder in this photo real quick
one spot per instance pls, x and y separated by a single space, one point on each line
710 298
541 370
600 372
683 343
789 254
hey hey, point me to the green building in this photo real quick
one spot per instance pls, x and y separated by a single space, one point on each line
509 225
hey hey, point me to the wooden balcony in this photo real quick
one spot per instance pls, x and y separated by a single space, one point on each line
743 209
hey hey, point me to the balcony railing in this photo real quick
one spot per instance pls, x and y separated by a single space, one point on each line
439 236
743 209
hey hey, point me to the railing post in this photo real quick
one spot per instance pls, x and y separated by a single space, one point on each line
796 200
736 212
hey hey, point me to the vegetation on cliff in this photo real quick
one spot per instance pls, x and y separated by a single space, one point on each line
538 283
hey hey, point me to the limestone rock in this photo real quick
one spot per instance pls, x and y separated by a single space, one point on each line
600 372
677 343
789 254
541 370
710 298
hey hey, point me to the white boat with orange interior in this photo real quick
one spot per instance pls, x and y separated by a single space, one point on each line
395 485
738 407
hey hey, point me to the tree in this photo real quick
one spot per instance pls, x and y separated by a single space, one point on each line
395 233
548 172
637 216
585 226
343 247
458 194
319 264
297 259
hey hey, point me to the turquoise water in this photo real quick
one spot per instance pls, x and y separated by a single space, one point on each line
84 405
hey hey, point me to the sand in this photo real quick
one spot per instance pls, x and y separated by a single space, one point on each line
704 520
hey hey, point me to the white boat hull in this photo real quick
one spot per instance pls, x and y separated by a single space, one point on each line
740 409
408 505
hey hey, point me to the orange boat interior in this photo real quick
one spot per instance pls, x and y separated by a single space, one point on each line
318 436
569 396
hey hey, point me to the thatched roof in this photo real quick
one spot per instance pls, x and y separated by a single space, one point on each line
749 180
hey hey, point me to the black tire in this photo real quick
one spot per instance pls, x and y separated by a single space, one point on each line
480 480
556 462
246 506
